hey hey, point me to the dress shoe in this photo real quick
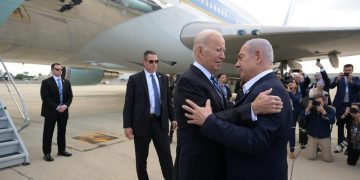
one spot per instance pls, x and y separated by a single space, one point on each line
64 153
47 157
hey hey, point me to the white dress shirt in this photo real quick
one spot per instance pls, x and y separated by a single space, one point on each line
151 90
250 83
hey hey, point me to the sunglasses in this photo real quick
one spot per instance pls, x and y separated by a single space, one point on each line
153 61
57 69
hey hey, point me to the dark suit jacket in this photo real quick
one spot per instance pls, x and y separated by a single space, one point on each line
197 157
304 86
136 112
340 92
50 96
254 150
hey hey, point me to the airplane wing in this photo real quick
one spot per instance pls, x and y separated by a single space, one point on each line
289 43
170 33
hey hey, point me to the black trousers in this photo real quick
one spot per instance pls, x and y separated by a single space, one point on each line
162 145
49 126
353 155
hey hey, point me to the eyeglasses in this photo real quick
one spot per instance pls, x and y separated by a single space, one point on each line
153 61
57 69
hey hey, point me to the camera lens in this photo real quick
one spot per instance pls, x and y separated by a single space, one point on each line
353 110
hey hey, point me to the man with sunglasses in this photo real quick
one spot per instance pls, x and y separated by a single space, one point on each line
56 95
147 111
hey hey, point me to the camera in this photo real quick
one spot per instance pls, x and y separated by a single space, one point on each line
316 104
346 74
286 80
353 111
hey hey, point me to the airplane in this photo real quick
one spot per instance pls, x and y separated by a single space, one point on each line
97 38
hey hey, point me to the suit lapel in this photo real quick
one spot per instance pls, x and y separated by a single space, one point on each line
54 84
144 83
161 85
209 85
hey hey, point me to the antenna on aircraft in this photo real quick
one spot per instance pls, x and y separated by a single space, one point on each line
289 13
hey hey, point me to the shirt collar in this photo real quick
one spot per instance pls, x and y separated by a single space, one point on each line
147 74
203 69
56 77
252 81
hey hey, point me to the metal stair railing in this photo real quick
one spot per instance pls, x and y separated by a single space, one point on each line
23 108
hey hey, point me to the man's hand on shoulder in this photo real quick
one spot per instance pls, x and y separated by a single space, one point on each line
196 114
266 103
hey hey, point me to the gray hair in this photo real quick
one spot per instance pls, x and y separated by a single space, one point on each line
264 45
202 38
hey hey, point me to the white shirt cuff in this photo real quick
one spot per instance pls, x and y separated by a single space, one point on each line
253 115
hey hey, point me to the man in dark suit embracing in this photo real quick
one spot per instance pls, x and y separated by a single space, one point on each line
56 95
255 145
199 157
147 111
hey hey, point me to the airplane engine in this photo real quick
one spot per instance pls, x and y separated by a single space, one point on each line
334 59
84 76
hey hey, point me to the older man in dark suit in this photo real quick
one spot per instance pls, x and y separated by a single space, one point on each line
198 157
147 111
347 91
256 144
56 95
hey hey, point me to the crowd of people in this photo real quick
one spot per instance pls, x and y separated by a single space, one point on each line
220 137
316 112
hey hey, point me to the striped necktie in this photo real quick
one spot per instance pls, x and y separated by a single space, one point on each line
157 96
59 84
218 88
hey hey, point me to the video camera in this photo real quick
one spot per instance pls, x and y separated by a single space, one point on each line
287 79
354 111
315 104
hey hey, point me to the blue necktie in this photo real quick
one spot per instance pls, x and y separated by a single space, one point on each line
157 96
217 88
59 84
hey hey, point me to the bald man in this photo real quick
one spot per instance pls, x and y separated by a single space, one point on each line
255 148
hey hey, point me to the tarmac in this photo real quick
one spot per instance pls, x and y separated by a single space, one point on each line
96 113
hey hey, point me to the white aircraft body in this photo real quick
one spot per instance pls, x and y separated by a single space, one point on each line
105 36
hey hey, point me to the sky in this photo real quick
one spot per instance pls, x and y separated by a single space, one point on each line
329 13
273 12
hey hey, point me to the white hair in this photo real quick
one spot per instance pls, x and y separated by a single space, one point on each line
202 37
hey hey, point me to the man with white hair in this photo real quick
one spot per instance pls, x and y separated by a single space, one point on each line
199 157
255 147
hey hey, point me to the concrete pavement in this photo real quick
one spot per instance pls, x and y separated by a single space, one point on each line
98 109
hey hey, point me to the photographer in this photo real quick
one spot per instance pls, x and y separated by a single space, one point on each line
318 118
351 118
347 92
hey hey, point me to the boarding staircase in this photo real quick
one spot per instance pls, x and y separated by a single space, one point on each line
12 148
